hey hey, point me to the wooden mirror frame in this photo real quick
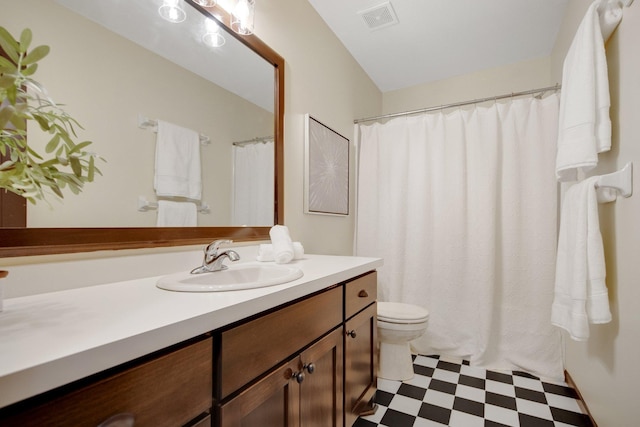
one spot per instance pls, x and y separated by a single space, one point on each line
16 242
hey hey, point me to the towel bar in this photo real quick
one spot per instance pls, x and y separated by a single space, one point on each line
144 205
620 181
145 123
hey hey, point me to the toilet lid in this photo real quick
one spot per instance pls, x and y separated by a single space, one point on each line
397 312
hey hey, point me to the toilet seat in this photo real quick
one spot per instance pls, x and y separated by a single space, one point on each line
400 313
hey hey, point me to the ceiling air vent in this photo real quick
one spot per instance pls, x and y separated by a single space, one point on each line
379 16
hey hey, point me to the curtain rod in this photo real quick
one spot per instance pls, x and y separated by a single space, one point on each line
557 87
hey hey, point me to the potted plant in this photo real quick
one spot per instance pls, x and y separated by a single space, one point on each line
23 170
65 161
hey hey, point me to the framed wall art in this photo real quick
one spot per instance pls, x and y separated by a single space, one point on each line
326 187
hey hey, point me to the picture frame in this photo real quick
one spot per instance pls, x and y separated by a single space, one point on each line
326 186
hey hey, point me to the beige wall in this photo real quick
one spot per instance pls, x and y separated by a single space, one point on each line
605 367
516 77
324 80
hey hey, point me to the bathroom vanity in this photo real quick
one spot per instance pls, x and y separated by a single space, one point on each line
282 355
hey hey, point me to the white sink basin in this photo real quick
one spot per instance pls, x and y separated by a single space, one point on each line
236 277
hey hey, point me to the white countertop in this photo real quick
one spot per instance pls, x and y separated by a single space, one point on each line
51 339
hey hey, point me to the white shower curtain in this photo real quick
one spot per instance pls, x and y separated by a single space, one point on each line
462 207
253 184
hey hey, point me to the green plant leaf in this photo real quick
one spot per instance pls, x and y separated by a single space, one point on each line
75 166
6 64
52 144
92 170
33 153
36 55
57 190
79 147
5 115
30 70
7 82
25 39
42 121
12 94
9 45
6 165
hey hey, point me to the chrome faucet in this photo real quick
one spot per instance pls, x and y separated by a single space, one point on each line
213 259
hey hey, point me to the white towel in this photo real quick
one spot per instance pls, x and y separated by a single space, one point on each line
610 13
584 124
177 214
282 244
177 171
580 291
265 251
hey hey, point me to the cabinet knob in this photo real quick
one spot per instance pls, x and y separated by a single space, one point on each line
299 376
352 333
363 294
119 420
310 367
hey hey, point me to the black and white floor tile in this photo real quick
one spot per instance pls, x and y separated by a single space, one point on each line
444 393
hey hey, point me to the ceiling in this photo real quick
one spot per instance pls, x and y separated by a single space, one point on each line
438 39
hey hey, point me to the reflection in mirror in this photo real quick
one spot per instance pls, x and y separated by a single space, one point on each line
130 63
107 77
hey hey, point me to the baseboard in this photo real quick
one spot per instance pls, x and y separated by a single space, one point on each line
583 406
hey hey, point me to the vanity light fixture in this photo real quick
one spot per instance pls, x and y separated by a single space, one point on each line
212 36
171 12
242 17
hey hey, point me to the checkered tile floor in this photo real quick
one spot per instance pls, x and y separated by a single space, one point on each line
458 395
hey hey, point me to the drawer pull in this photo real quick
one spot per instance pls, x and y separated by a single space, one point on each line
310 367
119 420
363 294
352 334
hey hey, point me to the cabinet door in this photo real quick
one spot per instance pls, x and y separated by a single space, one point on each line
361 360
321 396
273 401
305 392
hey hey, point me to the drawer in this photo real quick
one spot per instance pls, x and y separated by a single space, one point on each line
170 390
249 350
359 293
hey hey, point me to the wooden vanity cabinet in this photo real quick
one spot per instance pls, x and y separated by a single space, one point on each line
293 394
284 368
311 363
360 346
171 389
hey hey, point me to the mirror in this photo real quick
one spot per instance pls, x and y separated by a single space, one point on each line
254 110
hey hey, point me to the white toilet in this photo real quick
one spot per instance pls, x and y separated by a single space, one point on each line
398 324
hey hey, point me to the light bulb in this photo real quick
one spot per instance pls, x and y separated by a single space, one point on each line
243 13
212 36
171 12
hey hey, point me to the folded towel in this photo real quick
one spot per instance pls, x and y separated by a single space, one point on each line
584 127
177 214
580 290
177 169
282 244
265 251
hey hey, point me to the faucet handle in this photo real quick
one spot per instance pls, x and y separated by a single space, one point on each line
212 248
